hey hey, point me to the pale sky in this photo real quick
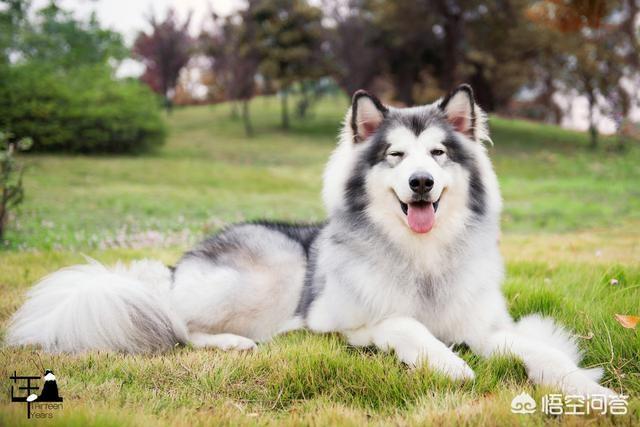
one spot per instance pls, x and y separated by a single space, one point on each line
128 16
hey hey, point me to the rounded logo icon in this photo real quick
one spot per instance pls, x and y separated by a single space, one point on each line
523 404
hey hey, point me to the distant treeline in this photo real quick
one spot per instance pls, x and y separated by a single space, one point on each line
517 54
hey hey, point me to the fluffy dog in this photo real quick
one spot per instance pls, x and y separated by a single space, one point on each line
408 261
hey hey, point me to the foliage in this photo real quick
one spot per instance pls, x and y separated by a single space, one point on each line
12 17
595 48
353 31
58 84
517 54
11 190
288 35
82 110
55 38
164 52
235 59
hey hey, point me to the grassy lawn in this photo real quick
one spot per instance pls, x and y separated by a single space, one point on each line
571 224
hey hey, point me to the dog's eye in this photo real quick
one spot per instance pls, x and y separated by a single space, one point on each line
437 152
396 153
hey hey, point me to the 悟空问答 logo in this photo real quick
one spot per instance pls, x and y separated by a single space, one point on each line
24 389
523 404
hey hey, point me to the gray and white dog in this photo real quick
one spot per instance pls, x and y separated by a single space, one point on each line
408 261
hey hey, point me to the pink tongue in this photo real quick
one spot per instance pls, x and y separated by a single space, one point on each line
421 217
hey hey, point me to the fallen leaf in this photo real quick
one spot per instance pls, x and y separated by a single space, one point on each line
614 282
586 337
627 321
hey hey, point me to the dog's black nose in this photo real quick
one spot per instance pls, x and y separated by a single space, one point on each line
421 182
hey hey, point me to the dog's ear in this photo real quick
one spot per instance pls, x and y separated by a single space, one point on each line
460 109
367 113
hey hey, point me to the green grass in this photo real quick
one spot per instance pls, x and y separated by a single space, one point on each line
209 174
571 224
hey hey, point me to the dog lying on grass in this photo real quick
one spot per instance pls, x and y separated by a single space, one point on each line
408 261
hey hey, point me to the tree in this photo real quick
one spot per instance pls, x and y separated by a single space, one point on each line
235 59
58 84
13 16
410 46
56 39
288 35
596 47
164 52
353 50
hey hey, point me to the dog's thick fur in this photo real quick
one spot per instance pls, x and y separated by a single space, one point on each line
407 265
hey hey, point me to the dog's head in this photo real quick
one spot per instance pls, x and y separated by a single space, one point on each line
418 169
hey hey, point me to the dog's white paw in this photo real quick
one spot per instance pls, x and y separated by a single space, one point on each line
451 365
222 341
581 383
445 362
235 342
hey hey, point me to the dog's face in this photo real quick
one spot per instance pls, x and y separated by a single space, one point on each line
415 169
413 173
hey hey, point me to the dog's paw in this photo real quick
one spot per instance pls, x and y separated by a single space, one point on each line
224 342
582 383
235 342
450 365
443 361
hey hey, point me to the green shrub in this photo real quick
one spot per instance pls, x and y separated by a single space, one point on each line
84 110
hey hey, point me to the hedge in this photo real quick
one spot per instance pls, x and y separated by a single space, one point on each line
81 111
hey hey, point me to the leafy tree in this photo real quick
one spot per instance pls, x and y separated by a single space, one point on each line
58 85
164 52
13 15
595 45
59 40
235 59
288 35
353 48
410 47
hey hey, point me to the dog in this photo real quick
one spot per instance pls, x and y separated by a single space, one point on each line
408 261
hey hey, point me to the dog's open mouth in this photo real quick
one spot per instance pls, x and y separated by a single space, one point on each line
421 216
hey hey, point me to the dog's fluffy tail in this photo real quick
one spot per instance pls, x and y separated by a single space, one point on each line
92 307
548 331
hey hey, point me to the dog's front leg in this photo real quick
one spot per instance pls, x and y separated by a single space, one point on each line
413 345
546 364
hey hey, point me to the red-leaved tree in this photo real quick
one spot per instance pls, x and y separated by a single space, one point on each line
164 52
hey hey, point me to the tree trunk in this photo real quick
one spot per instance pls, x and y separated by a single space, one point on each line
284 104
453 34
168 104
404 89
234 110
304 103
593 129
593 137
3 215
482 90
246 118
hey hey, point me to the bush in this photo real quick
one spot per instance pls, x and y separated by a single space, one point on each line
83 110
